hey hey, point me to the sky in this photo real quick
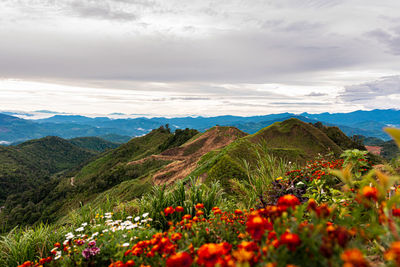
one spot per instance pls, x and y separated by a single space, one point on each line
199 57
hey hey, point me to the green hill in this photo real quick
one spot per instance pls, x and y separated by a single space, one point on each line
48 201
162 157
30 164
337 136
292 140
96 144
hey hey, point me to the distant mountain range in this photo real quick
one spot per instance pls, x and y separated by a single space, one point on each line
14 129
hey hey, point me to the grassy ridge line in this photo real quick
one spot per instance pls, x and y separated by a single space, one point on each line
292 139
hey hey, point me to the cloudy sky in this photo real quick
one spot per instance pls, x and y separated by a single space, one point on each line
199 57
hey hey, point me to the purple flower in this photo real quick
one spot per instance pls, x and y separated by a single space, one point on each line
90 252
94 251
92 243
86 253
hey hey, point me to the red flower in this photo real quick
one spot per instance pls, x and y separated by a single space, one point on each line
312 204
199 213
354 257
129 263
179 209
217 211
211 254
370 192
181 259
248 246
257 225
199 206
290 240
323 211
187 217
238 212
396 212
176 236
57 245
288 201
26 264
117 264
168 211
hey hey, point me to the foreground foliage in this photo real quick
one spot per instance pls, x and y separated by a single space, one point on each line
331 212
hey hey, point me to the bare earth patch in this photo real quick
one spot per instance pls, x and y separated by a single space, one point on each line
185 158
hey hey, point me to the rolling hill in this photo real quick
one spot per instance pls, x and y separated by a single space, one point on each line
58 192
162 157
30 164
96 144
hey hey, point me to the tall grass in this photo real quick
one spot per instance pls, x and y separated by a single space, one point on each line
22 244
260 174
182 194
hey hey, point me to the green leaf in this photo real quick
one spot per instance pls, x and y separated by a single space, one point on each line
395 134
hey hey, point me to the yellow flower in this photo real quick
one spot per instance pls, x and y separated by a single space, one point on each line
279 178
243 255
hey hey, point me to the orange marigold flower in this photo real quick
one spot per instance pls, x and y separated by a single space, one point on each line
249 246
323 211
257 225
217 211
312 204
211 254
353 257
199 213
179 209
26 264
396 212
393 254
57 245
181 259
129 263
242 255
117 264
168 211
272 235
292 241
370 192
238 212
176 236
187 217
199 206
288 201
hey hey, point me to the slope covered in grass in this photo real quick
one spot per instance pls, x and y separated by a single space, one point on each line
291 140
30 164
93 143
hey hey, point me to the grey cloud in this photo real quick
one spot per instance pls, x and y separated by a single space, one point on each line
316 94
390 40
245 56
298 103
191 98
371 92
100 10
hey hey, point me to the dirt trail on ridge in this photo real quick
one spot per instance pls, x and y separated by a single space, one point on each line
185 158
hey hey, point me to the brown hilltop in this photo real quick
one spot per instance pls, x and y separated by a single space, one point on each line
185 158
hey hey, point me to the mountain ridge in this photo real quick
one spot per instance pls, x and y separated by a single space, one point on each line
13 129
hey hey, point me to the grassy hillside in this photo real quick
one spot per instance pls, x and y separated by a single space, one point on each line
96 144
337 136
62 192
31 164
291 140
162 157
